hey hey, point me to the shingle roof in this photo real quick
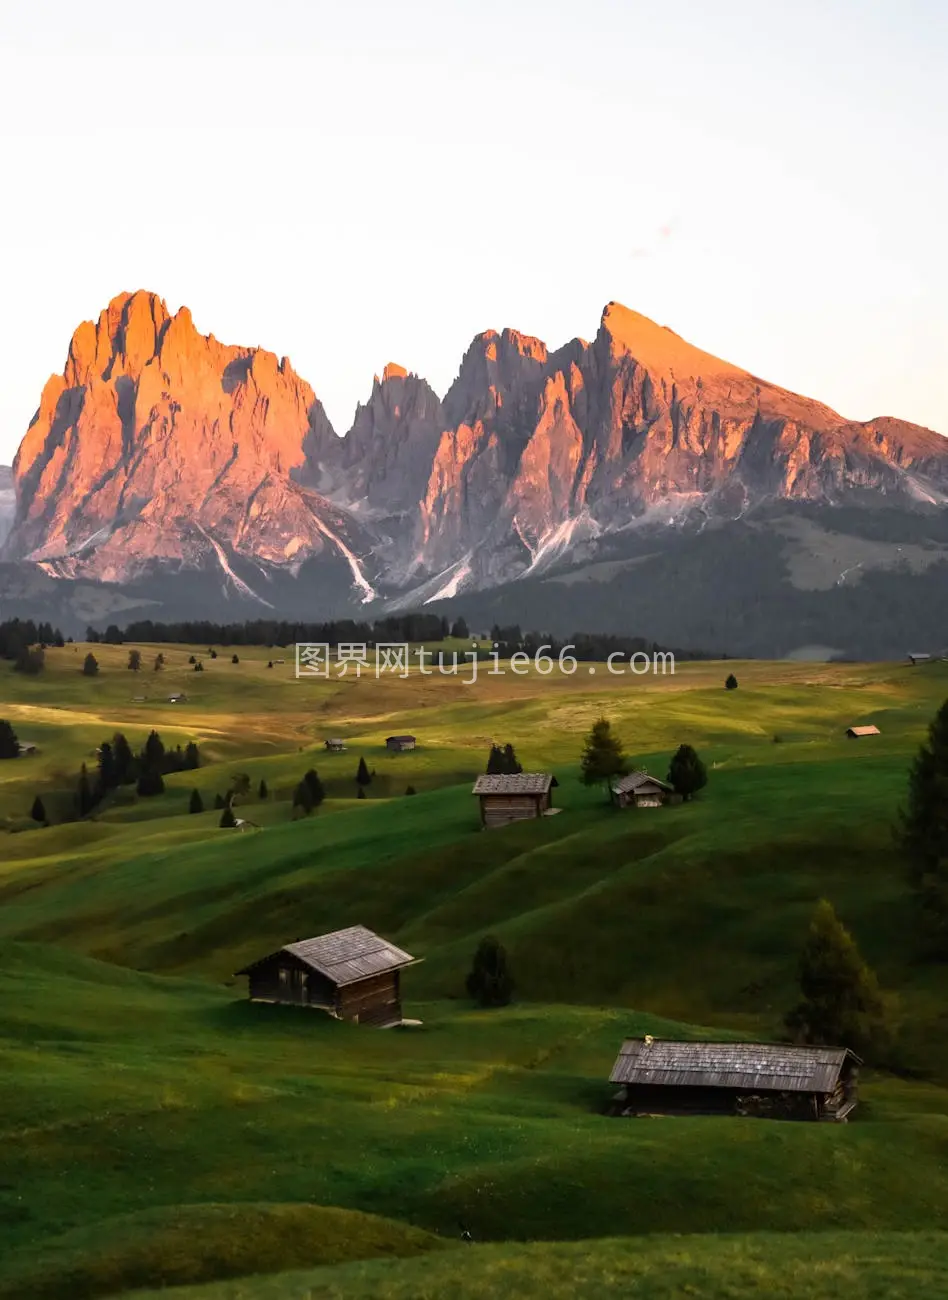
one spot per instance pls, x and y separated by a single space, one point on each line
774 1066
345 956
388 738
513 783
626 784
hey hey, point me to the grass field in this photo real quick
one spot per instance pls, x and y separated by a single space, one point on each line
157 1129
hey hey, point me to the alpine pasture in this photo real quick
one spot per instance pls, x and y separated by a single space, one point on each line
159 1130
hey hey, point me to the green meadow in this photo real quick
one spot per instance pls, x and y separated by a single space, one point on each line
159 1131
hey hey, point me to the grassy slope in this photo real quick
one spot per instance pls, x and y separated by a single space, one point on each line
818 1266
130 1092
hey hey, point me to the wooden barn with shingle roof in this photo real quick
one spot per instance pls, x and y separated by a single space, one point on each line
513 797
639 790
773 1080
353 974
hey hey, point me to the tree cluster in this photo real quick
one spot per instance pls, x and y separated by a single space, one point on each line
502 760
17 635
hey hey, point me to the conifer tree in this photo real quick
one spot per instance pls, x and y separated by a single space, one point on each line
363 776
150 782
923 829
303 798
153 755
84 799
9 744
490 983
603 756
686 772
315 787
90 665
730 682
123 759
262 791
196 803
134 660
841 1004
228 820
38 811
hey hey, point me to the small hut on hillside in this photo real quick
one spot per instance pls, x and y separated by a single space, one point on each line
766 1080
513 797
639 790
915 659
854 733
335 746
352 974
25 748
399 744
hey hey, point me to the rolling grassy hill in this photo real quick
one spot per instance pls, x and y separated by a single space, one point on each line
141 1093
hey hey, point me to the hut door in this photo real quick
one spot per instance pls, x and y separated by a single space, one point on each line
304 985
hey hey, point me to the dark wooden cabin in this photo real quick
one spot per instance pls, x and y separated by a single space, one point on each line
513 798
399 744
639 790
352 974
767 1080
854 733
335 746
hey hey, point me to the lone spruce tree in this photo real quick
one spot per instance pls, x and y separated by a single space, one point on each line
686 772
730 682
196 803
603 756
9 744
923 829
841 1004
490 983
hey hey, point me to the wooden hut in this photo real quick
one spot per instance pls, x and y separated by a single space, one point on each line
855 732
335 746
353 974
513 798
399 744
915 659
767 1080
639 790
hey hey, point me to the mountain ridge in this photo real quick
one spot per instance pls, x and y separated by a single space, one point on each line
160 450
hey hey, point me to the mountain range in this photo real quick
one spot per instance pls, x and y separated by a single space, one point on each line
632 483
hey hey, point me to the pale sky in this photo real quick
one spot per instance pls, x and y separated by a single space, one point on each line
356 182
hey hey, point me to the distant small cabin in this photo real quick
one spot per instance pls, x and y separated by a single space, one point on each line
335 746
245 824
139 699
513 798
918 659
352 974
399 744
855 732
26 747
177 699
639 790
765 1080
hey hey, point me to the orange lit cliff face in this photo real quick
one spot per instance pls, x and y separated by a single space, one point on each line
155 432
159 444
